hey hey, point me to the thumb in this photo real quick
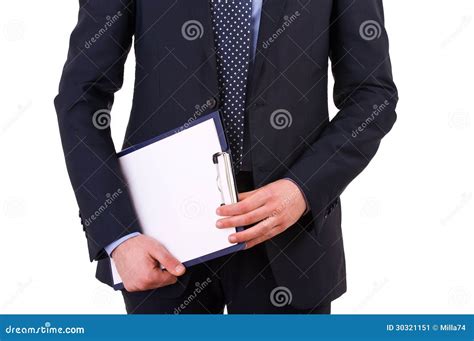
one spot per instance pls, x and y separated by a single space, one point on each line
167 260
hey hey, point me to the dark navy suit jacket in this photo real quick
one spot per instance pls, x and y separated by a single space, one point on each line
289 130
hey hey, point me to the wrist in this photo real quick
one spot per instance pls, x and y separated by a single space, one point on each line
123 244
303 195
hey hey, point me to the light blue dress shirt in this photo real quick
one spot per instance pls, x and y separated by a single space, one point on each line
255 25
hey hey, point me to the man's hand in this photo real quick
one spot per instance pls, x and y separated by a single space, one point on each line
138 262
273 208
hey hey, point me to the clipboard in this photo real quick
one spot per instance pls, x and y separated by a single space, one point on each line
176 182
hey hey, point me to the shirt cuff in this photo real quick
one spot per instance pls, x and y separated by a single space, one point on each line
304 195
112 246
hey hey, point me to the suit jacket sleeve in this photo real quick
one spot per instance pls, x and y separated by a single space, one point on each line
366 97
93 72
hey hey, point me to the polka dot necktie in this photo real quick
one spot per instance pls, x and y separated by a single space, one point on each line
231 20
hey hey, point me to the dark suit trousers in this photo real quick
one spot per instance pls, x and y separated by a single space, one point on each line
241 281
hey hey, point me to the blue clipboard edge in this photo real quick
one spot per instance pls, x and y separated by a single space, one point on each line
216 116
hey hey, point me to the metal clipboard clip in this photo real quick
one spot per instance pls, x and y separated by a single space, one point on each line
225 178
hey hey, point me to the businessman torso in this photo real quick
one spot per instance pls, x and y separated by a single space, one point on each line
288 128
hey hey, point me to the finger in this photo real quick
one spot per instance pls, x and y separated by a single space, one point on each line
251 217
157 278
167 278
257 199
244 195
275 231
256 231
165 258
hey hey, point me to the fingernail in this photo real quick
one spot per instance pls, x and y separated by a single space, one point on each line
219 223
218 211
232 239
180 268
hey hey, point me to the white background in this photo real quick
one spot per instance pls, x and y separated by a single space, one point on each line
407 220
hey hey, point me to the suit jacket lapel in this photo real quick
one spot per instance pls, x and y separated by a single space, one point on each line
271 19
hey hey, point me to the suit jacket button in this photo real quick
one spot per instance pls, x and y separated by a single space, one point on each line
211 103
